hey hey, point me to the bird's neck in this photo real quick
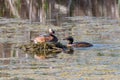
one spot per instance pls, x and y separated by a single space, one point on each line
70 42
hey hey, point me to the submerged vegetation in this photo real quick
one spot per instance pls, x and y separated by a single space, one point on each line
111 54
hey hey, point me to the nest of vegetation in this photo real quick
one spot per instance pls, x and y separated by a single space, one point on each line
44 49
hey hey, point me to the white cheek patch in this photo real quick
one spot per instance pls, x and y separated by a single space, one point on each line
50 30
35 41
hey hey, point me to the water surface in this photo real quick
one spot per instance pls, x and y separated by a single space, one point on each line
100 62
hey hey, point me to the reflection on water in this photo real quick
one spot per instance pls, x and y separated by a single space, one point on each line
100 62
101 59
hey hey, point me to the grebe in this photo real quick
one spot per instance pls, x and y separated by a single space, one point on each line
53 37
77 44
46 37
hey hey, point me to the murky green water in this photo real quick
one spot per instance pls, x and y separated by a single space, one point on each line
100 62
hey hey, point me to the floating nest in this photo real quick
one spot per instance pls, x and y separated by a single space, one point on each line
44 49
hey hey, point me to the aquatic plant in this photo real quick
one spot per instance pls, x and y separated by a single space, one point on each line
100 54
44 49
